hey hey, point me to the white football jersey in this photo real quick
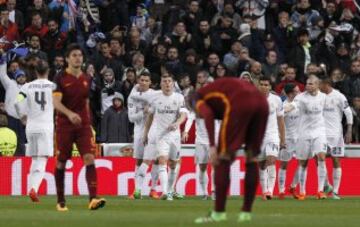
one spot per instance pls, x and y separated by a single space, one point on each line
166 110
40 108
291 122
275 110
136 109
335 105
311 111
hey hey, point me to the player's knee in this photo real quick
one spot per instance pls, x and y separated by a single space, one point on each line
162 160
89 159
172 164
283 165
203 167
138 162
336 162
321 156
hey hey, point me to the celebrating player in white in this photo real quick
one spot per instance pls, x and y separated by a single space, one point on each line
36 96
167 113
291 134
335 106
273 140
312 136
138 110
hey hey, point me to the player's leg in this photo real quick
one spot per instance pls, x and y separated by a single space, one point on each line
337 172
163 148
263 173
302 178
212 185
139 168
320 148
85 143
174 168
282 179
64 141
201 159
42 144
303 154
154 179
295 181
271 168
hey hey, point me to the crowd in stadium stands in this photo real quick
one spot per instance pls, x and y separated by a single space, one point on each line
191 39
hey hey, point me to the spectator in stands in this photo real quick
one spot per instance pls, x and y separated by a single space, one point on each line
134 44
270 45
337 77
54 40
38 7
202 78
8 30
152 30
57 66
35 48
205 40
230 11
180 38
115 122
343 57
191 65
301 54
226 33
231 59
173 64
271 67
12 88
212 61
140 18
331 12
13 66
352 82
193 16
15 15
37 27
221 71
256 71
284 34
289 77
128 84
303 14
117 49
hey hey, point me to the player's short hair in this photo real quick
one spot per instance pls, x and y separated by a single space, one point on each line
42 67
327 80
313 77
167 75
289 88
72 47
265 78
146 74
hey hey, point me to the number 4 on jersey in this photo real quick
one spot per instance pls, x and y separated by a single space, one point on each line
40 100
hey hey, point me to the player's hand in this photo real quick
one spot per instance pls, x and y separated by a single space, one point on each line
74 118
173 127
348 135
185 137
282 145
288 107
146 109
145 140
23 120
213 156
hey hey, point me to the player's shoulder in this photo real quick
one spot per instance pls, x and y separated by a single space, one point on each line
274 97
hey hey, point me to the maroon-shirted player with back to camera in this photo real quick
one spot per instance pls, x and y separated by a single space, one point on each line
244 112
71 100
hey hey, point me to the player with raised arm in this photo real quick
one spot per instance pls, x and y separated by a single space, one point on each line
73 125
244 113
336 106
312 139
167 113
285 155
273 141
138 110
36 98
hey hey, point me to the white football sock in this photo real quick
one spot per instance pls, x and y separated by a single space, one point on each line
337 179
271 178
295 180
282 179
264 180
140 176
321 170
173 173
203 180
163 176
37 172
302 179
154 176
212 189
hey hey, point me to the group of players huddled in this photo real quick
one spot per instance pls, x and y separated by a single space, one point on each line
228 114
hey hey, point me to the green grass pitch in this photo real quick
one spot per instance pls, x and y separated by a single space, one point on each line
121 212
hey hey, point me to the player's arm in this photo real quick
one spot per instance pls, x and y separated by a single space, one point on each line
207 114
133 115
4 78
182 116
349 121
147 126
189 121
73 117
281 122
